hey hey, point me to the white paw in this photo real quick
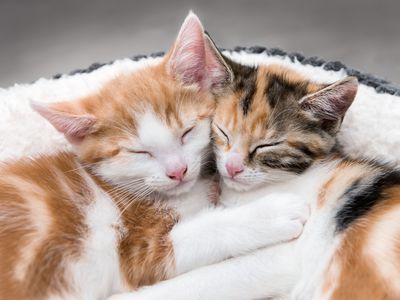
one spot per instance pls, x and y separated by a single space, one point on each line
291 206
287 213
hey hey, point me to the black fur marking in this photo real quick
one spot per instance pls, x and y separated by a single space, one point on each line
296 166
247 99
305 150
279 88
361 197
275 91
245 83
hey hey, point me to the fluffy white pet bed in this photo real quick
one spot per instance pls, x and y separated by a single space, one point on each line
371 128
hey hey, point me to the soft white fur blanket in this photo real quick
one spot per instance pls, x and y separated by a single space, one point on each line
370 129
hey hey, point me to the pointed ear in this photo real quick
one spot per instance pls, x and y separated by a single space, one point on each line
217 68
331 103
195 60
74 127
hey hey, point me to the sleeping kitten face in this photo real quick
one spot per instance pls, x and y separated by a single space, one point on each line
273 124
149 131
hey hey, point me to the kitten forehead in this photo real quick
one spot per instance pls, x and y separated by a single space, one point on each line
263 97
153 132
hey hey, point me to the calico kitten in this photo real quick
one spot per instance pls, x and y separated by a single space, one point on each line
103 218
276 131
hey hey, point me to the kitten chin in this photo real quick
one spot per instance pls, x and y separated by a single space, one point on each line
181 188
237 186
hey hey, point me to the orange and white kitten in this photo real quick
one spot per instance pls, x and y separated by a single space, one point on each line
276 131
115 212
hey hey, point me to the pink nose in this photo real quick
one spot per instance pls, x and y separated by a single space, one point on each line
177 173
234 168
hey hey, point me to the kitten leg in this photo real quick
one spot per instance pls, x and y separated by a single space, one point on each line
216 235
266 273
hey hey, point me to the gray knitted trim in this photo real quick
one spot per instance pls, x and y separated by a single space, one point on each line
380 85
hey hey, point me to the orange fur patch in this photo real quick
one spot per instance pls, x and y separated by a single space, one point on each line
369 263
343 176
41 212
43 201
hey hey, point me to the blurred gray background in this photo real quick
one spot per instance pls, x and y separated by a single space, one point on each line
44 37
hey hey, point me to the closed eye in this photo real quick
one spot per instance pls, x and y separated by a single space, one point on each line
186 133
140 152
265 146
223 133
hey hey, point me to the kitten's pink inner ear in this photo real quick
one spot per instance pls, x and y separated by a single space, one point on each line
218 71
332 102
74 127
193 60
188 59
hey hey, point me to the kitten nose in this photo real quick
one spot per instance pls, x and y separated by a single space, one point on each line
177 173
234 167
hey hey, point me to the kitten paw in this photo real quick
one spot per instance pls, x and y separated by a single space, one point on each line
287 214
292 213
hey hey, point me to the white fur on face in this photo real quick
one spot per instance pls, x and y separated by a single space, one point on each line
145 173
251 177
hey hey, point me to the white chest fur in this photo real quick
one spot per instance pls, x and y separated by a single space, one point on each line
192 202
310 253
96 274
306 185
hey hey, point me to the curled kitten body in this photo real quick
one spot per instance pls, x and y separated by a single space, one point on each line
126 207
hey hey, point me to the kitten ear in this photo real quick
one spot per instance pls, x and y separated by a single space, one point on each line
74 127
331 103
217 68
194 58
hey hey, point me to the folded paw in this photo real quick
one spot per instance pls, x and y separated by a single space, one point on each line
284 213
